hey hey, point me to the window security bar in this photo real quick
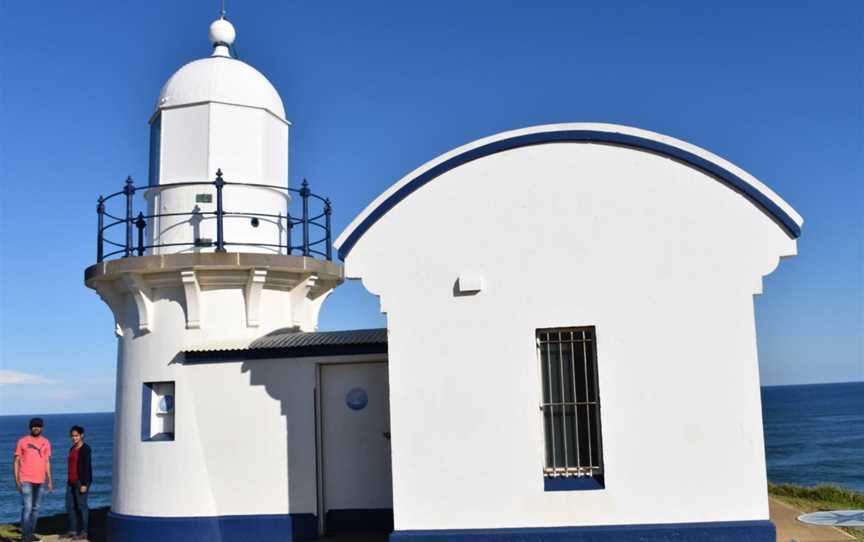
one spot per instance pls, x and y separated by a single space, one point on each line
570 402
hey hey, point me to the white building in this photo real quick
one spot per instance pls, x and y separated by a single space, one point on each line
570 352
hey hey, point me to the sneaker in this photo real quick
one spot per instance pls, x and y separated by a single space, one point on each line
82 536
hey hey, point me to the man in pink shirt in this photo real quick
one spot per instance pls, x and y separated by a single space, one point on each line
32 469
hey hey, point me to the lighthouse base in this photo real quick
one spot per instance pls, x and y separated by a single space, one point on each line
261 528
728 531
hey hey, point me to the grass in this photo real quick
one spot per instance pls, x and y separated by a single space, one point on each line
57 524
815 499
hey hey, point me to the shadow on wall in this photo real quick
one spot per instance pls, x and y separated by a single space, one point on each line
133 307
288 385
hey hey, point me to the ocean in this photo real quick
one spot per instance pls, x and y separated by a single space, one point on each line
813 434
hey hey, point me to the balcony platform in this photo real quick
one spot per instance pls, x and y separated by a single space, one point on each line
306 281
109 269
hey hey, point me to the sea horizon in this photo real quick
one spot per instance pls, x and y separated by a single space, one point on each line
52 413
812 384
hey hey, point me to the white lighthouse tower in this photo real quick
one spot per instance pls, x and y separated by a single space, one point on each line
201 258
218 112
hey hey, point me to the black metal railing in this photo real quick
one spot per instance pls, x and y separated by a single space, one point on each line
107 231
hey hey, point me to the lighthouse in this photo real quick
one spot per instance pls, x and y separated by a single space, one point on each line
572 361
212 252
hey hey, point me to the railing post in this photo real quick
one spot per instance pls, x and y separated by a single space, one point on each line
288 231
220 235
100 212
140 223
327 212
304 193
129 190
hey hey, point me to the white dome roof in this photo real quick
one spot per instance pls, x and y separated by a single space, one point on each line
220 79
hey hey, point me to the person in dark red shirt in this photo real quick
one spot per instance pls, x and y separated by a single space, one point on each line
78 485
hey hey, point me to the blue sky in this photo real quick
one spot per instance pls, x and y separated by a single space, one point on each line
374 89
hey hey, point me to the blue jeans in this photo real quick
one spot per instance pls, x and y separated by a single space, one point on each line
76 504
31 495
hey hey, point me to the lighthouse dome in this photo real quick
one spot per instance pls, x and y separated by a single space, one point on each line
220 78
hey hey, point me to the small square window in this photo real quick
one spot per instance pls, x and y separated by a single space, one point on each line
157 412
203 198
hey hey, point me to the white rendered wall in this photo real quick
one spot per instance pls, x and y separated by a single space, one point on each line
249 145
661 258
235 421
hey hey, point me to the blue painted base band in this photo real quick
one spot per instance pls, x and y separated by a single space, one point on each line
729 531
263 528
355 520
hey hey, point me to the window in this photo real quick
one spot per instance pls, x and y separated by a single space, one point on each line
157 412
155 150
570 406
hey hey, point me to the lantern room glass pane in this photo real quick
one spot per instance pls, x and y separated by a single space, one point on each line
155 150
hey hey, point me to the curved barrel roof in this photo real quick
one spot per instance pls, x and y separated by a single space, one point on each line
730 174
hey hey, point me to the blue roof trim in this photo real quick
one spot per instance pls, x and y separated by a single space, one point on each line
583 136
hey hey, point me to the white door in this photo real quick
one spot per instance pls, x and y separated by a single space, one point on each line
355 440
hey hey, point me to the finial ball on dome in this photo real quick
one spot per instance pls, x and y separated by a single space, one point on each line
222 32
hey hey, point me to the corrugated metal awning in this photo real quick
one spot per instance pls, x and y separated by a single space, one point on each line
219 346
291 343
292 339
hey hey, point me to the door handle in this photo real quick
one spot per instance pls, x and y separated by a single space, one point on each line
386 434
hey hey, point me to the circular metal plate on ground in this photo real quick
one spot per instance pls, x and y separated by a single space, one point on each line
835 518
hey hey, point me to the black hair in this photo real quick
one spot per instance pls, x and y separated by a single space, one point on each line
78 429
